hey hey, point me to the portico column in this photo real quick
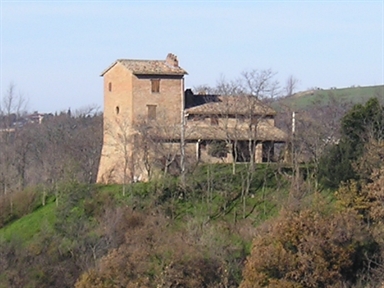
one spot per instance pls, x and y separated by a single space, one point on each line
230 158
259 152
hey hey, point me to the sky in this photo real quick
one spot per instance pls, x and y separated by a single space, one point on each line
53 52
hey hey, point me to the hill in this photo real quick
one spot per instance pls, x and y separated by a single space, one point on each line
352 95
202 231
198 231
162 235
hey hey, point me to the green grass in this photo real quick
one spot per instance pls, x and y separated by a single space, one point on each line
28 226
213 193
352 95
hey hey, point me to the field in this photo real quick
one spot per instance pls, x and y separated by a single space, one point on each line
351 95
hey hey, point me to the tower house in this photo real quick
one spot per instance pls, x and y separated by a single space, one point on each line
136 91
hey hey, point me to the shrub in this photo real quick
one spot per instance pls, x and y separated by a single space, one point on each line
308 248
18 204
154 256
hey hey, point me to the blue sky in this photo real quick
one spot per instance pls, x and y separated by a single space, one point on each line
54 51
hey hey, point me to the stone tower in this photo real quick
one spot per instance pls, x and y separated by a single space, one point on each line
136 90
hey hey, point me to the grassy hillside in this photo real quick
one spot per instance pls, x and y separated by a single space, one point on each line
352 95
28 226
212 190
159 233
212 221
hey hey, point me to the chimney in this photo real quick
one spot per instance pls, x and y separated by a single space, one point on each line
172 60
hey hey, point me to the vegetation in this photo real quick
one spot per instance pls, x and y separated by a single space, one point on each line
363 124
317 96
97 235
301 222
309 248
30 225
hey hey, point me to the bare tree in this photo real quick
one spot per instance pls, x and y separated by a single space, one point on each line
119 133
240 121
229 87
62 148
88 142
260 84
204 89
13 103
291 85
316 129
12 106
161 146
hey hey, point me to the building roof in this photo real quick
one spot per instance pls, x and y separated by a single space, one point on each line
264 132
229 105
169 66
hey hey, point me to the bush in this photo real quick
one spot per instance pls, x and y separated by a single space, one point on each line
154 256
18 204
309 248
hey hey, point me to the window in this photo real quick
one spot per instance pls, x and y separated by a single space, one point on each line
151 112
110 86
241 118
196 117
214 120
203 145
155 83
117 110
218 149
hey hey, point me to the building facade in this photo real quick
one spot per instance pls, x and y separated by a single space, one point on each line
151 123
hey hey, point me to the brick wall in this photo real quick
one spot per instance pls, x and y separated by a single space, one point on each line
126 100
168 101
117 121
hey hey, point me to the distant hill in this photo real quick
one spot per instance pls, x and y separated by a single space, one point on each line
307 99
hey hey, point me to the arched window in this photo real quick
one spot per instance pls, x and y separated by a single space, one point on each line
117 110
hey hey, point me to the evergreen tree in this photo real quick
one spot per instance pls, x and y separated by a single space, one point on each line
358 126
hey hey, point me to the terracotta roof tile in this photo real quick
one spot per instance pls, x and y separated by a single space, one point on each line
229 105
157 67
264 132
151 67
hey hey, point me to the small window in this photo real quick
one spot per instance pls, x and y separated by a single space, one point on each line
117 110
214 120
194 117
155 83
203 145
110 86
151 112
241 118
